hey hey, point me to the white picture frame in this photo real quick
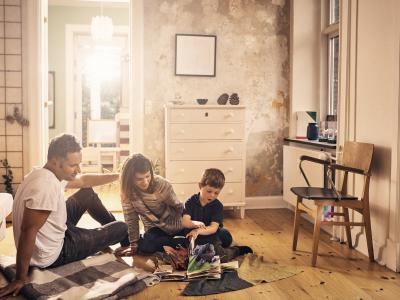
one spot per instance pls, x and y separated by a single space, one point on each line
195 55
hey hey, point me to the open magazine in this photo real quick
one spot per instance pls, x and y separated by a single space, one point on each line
202 263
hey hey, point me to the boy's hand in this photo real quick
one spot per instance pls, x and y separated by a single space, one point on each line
198 224
193 234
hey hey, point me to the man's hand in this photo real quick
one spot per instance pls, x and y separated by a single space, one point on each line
32 221
193 234
12 288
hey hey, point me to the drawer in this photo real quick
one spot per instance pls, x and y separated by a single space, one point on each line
210 131
231 193
191 171
207 115
205 150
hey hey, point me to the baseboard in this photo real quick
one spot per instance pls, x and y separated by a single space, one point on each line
265 202
392 256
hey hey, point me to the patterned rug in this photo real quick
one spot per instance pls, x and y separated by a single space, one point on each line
98 277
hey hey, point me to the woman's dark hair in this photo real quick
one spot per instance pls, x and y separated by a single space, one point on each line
213 177
61 145
136 163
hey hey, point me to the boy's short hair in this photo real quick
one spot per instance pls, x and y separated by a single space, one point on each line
213 177
61 145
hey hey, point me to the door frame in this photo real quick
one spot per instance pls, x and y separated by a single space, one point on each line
35 80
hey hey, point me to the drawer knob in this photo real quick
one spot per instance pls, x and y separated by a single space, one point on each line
230 192
230 115
230 131
181 150
182 193
230 170
182 114
182 170
229 150
182 131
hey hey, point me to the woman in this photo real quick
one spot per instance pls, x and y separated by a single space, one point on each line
152 199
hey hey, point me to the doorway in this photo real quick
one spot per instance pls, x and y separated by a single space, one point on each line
89 57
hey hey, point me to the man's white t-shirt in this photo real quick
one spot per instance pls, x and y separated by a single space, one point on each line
42 190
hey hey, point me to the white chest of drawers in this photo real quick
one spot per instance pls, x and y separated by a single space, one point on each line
200 137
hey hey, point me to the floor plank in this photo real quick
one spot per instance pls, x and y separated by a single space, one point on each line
341 273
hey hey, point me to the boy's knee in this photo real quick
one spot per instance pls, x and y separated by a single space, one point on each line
225 237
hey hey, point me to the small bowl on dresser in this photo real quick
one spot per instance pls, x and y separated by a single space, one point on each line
202 101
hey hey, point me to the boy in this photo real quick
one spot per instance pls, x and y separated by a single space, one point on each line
203 217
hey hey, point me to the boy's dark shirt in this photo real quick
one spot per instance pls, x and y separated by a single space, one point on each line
211 212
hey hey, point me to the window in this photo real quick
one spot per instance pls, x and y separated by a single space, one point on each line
333 11
331 32
333 75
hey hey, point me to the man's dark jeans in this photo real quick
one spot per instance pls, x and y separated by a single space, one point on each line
80 243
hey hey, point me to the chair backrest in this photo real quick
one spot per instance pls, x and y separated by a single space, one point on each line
90 155
358 155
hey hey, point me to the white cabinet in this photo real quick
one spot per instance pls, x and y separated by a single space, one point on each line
201 137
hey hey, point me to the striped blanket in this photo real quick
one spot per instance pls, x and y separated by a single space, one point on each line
97 277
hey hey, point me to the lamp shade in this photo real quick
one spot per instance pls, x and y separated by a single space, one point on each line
102 28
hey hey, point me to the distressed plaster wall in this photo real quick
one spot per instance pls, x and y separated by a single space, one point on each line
252 60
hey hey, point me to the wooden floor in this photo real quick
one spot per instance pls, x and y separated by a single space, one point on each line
340 273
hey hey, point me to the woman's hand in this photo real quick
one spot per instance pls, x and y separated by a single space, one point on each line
193 234
126 251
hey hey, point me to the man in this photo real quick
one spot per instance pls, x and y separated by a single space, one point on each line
44 223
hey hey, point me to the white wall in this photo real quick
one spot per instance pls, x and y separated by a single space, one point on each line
305 44
369 111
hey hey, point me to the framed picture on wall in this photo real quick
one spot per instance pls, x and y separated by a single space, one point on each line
51 100
195 55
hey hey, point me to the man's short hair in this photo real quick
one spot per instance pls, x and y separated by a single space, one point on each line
61 145
214 178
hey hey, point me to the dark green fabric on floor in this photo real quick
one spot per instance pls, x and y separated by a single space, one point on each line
229 281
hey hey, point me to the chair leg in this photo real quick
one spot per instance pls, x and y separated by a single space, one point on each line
348 231
317 228
296 224
368 233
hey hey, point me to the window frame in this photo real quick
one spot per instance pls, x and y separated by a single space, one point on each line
329 32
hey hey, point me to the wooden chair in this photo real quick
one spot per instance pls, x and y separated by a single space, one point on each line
91 160
357 159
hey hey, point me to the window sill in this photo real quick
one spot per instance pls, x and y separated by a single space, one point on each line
315 144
